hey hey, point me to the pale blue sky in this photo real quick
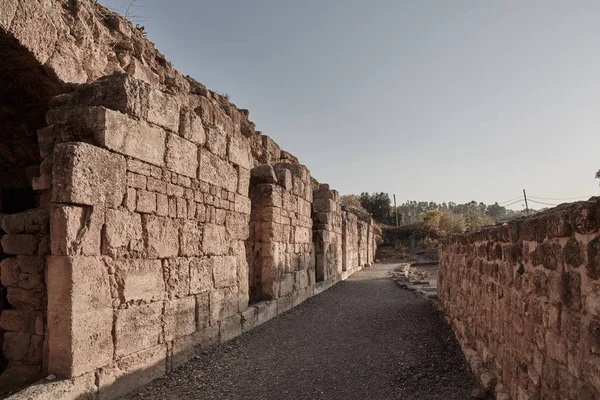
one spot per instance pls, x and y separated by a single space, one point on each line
430 100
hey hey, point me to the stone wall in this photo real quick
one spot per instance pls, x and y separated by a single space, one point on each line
524 301
163 223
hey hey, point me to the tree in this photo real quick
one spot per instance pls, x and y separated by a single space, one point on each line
379 205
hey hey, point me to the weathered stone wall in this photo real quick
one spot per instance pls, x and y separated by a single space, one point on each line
159 211
524 301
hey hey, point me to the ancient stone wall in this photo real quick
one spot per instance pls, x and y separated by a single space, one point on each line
524 301
327 234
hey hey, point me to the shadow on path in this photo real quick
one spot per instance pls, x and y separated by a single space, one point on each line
364 338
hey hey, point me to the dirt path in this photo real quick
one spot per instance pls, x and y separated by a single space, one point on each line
365 338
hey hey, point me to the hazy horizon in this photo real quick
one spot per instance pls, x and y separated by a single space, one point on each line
431 101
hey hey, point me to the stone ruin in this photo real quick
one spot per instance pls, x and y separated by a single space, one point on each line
143 217
524 301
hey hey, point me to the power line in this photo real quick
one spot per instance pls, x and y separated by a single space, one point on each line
502 202
540 202
514 202
564 198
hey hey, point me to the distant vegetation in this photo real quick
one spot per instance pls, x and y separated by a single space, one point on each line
422 224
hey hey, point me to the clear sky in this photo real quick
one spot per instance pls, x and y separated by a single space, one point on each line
430 100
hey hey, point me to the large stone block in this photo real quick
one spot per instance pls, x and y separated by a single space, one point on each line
191 128
191 239
182 156
216 142
131 372
201 275
80 315
224 271
230 328
177 275
237 225
239 152
76 230
180 318
122 232
35 220
22 244
187 347
214 240
223 304
137 328
79 388
88 175
139 280
162 236
216 171
163 110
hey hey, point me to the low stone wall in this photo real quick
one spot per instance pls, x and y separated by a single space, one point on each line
524 301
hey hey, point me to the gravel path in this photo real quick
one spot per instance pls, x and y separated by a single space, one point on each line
364 338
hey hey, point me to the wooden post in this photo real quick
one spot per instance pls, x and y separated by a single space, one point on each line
526 206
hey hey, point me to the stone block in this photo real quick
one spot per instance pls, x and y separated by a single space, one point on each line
216 142
299 296
163 110
214 240
191 239
139 280
230 328
239 152
21 244
202 311
286 284
162 236
243 181
201 276
187 347
216 171
237 225
249 319
132 372
78 388
266 310
592 301
180 318
145 202
87 175
182 156
75 230
191 128
18 321
31 221
16 345
9 271
223 304
137 328
224 271
141 71
123 230
177 275
284 304
80 315
136 181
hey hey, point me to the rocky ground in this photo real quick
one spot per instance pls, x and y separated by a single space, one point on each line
363 338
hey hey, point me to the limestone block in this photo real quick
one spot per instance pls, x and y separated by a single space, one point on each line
9 271
87 175
31 221
237 225
24 244
300 279
136 181
216 171
162 236
139 280
78 388
299 296
249 319
263 174
592 301
230 328
80 315
242 204
224 271
75 230
118 132
163 110
137 328
177 275
286 284
18 321
284 176
145 202
140 71
180 317
239 152
187 347
201 275
132 372
223 304
202 311
243 181
191 128
272 152
182 156
7 13
123 229
25 300
266 310
162 205
216 142
214 240
16 345
191 239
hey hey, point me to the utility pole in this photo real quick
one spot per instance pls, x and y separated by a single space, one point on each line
396 210
526 206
